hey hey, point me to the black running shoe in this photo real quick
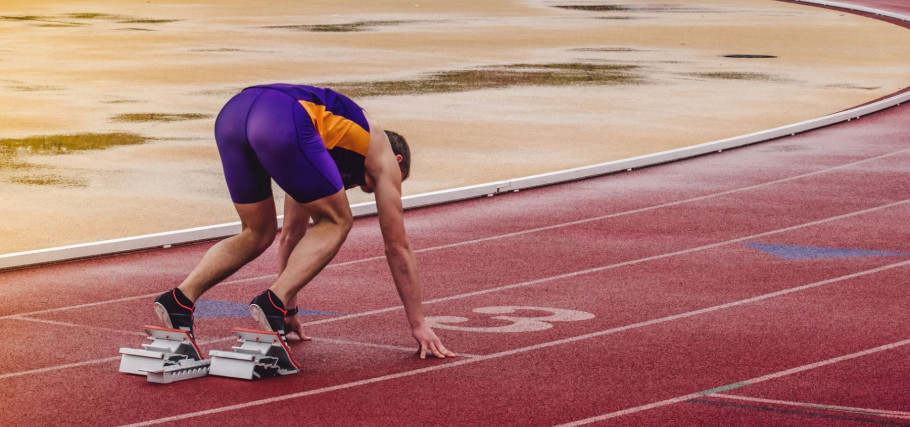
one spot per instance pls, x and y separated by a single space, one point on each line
175 310
269 311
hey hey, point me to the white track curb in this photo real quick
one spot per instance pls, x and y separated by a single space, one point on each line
166 239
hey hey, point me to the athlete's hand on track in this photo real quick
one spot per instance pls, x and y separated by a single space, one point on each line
427 340
293 325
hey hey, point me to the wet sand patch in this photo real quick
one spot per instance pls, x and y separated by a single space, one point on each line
49 180
605 49
669 8
35 88
747 56
341 28
851 86
494 77
62 144
229 50
40 21
68 19
157 117
147 21
735 75
218 92
123 101
16 170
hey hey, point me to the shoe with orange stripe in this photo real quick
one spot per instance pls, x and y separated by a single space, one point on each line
269 311
175 310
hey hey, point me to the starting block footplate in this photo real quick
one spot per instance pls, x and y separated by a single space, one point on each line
261 354
171 356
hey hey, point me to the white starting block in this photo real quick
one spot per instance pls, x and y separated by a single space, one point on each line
172 356
261 354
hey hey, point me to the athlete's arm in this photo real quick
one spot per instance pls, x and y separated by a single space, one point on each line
384 177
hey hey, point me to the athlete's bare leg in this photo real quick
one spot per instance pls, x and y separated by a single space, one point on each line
332 221
296 223
258 228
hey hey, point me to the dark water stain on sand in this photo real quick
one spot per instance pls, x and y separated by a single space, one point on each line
35 88
734 75
40 21
147 21
19 171
157 117
90 15
63 144
555 74
851 86
634 8
748 56
341 28
605 49
76 19
229 50
48 179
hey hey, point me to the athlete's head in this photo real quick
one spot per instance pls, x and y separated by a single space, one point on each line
402 154
400 147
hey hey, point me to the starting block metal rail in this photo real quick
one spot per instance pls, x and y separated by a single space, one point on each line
172 356
261 354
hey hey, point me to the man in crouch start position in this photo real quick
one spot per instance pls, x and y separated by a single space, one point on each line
315 143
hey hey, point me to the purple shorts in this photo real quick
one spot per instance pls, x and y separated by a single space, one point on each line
264 134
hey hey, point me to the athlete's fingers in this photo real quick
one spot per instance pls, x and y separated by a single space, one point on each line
302 336
435 347
445 351
295 327
423 351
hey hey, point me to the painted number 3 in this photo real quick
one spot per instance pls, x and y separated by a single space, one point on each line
517 323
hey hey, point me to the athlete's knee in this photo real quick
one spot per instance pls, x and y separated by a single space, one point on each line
262 236
292 233
345 221
341 221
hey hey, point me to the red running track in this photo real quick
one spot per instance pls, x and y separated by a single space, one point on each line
762 286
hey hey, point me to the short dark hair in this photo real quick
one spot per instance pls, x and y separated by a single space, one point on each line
400 146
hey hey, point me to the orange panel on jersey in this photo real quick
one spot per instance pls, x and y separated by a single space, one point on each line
337 130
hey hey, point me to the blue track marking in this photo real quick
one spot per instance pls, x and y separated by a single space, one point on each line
817 252
210 308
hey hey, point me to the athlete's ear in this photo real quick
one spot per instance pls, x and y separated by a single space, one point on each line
398 158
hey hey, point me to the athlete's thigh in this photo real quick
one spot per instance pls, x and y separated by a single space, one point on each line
247 179
282 134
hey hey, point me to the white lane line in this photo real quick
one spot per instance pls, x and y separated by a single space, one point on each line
411 350
74 307
854 410
114 301
77 325
569 340
365 344
612 266
714 391
587 271
58 367
506 235
662 205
